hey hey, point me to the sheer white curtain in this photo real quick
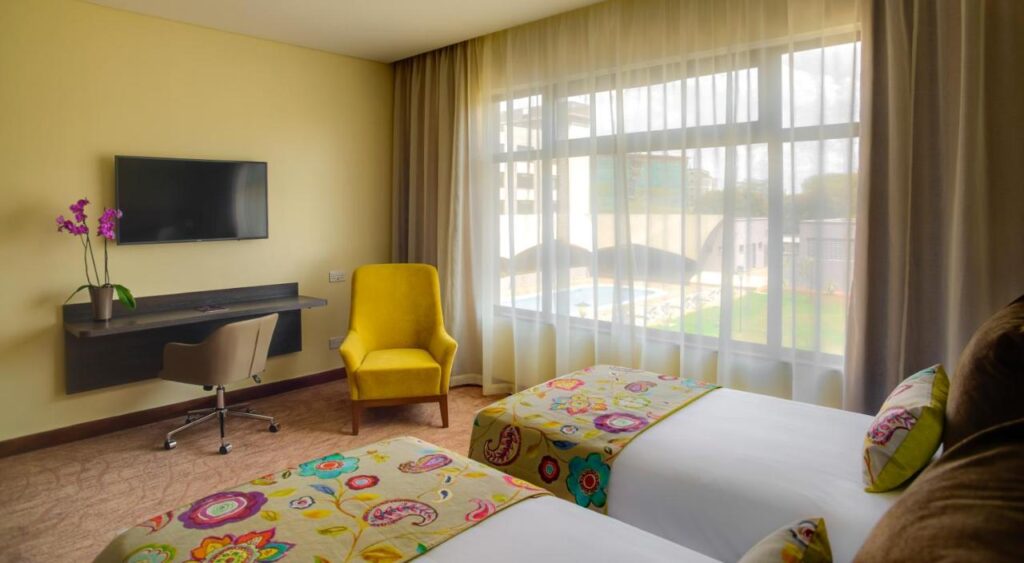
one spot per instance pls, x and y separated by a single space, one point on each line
668 185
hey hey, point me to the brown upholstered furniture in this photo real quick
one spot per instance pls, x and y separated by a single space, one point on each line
988 384
968 506
233 352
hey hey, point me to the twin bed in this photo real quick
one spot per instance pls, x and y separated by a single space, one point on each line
713 469
715 475
720 474
388 502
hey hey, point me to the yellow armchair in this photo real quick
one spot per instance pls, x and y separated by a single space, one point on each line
397 350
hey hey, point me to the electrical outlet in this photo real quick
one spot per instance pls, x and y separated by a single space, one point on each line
335 276
335 343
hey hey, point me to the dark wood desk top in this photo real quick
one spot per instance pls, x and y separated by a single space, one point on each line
165 313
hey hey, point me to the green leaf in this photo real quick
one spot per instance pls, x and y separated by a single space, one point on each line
281 492
332 531
270 515
75 292
124 295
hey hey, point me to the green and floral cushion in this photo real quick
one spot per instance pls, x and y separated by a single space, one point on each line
907 430
803 541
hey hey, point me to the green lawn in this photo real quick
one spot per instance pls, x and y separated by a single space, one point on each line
750 320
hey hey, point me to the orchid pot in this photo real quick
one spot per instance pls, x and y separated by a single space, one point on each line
101 291
102 298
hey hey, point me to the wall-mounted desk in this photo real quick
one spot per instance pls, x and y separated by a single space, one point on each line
129 347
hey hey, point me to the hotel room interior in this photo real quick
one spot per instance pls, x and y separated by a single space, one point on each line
503 281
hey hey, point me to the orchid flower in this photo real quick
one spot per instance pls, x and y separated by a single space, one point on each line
106 229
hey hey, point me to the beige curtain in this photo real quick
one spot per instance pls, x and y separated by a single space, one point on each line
940 235
430 190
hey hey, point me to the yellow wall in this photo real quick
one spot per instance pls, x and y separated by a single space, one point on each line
80 83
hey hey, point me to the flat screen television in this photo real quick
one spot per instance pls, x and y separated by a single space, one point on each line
179 200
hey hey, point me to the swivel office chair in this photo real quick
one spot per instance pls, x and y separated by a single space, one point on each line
233 352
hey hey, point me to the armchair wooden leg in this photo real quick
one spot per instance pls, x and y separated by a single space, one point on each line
443 401
357 412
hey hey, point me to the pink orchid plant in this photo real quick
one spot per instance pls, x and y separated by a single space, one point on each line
78 227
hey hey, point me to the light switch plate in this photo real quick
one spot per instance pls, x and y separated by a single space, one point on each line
335 276
335 343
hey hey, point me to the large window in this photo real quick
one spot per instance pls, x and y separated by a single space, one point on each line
705 199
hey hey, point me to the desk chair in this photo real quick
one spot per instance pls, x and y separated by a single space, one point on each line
233 352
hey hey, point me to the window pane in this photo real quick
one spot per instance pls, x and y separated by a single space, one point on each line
820 180
526 117
635 106
705 189
707 97
827 86
578 116
520 234
605 112
751 244
574 243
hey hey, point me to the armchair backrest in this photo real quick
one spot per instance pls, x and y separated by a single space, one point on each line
396 305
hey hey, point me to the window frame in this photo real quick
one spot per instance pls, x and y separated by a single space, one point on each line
768 130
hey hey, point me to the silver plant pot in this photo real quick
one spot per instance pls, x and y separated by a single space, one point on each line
102 302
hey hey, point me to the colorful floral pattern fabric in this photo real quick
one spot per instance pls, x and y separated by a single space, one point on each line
565 434
222 508
407 497
329 467
906 431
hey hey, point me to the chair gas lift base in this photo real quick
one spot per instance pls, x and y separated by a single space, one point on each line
221 411
233 352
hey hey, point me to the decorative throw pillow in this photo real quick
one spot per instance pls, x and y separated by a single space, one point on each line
802 541
966 507
907 430
988 385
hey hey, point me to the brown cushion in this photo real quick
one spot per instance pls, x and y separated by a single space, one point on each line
968 506
988 385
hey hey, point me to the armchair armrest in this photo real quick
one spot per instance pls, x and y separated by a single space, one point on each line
353 352
442 348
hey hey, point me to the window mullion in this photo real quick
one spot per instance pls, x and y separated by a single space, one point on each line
770 94
546 201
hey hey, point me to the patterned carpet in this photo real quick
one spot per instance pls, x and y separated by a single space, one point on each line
67 502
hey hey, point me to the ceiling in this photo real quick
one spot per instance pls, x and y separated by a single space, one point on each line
379 30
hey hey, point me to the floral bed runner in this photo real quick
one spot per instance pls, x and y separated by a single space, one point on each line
387 502
564 434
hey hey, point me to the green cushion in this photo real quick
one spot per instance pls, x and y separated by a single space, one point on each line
907 430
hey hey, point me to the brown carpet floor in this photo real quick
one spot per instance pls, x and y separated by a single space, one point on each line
67 502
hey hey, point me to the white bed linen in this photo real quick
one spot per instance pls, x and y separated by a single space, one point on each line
550 529
730 468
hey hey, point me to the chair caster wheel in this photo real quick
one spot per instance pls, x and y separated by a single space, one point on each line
274 427
224 449
170 444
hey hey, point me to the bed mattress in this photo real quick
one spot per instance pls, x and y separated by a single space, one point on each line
722 473
550 529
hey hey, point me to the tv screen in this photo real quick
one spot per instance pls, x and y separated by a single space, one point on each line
175 200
